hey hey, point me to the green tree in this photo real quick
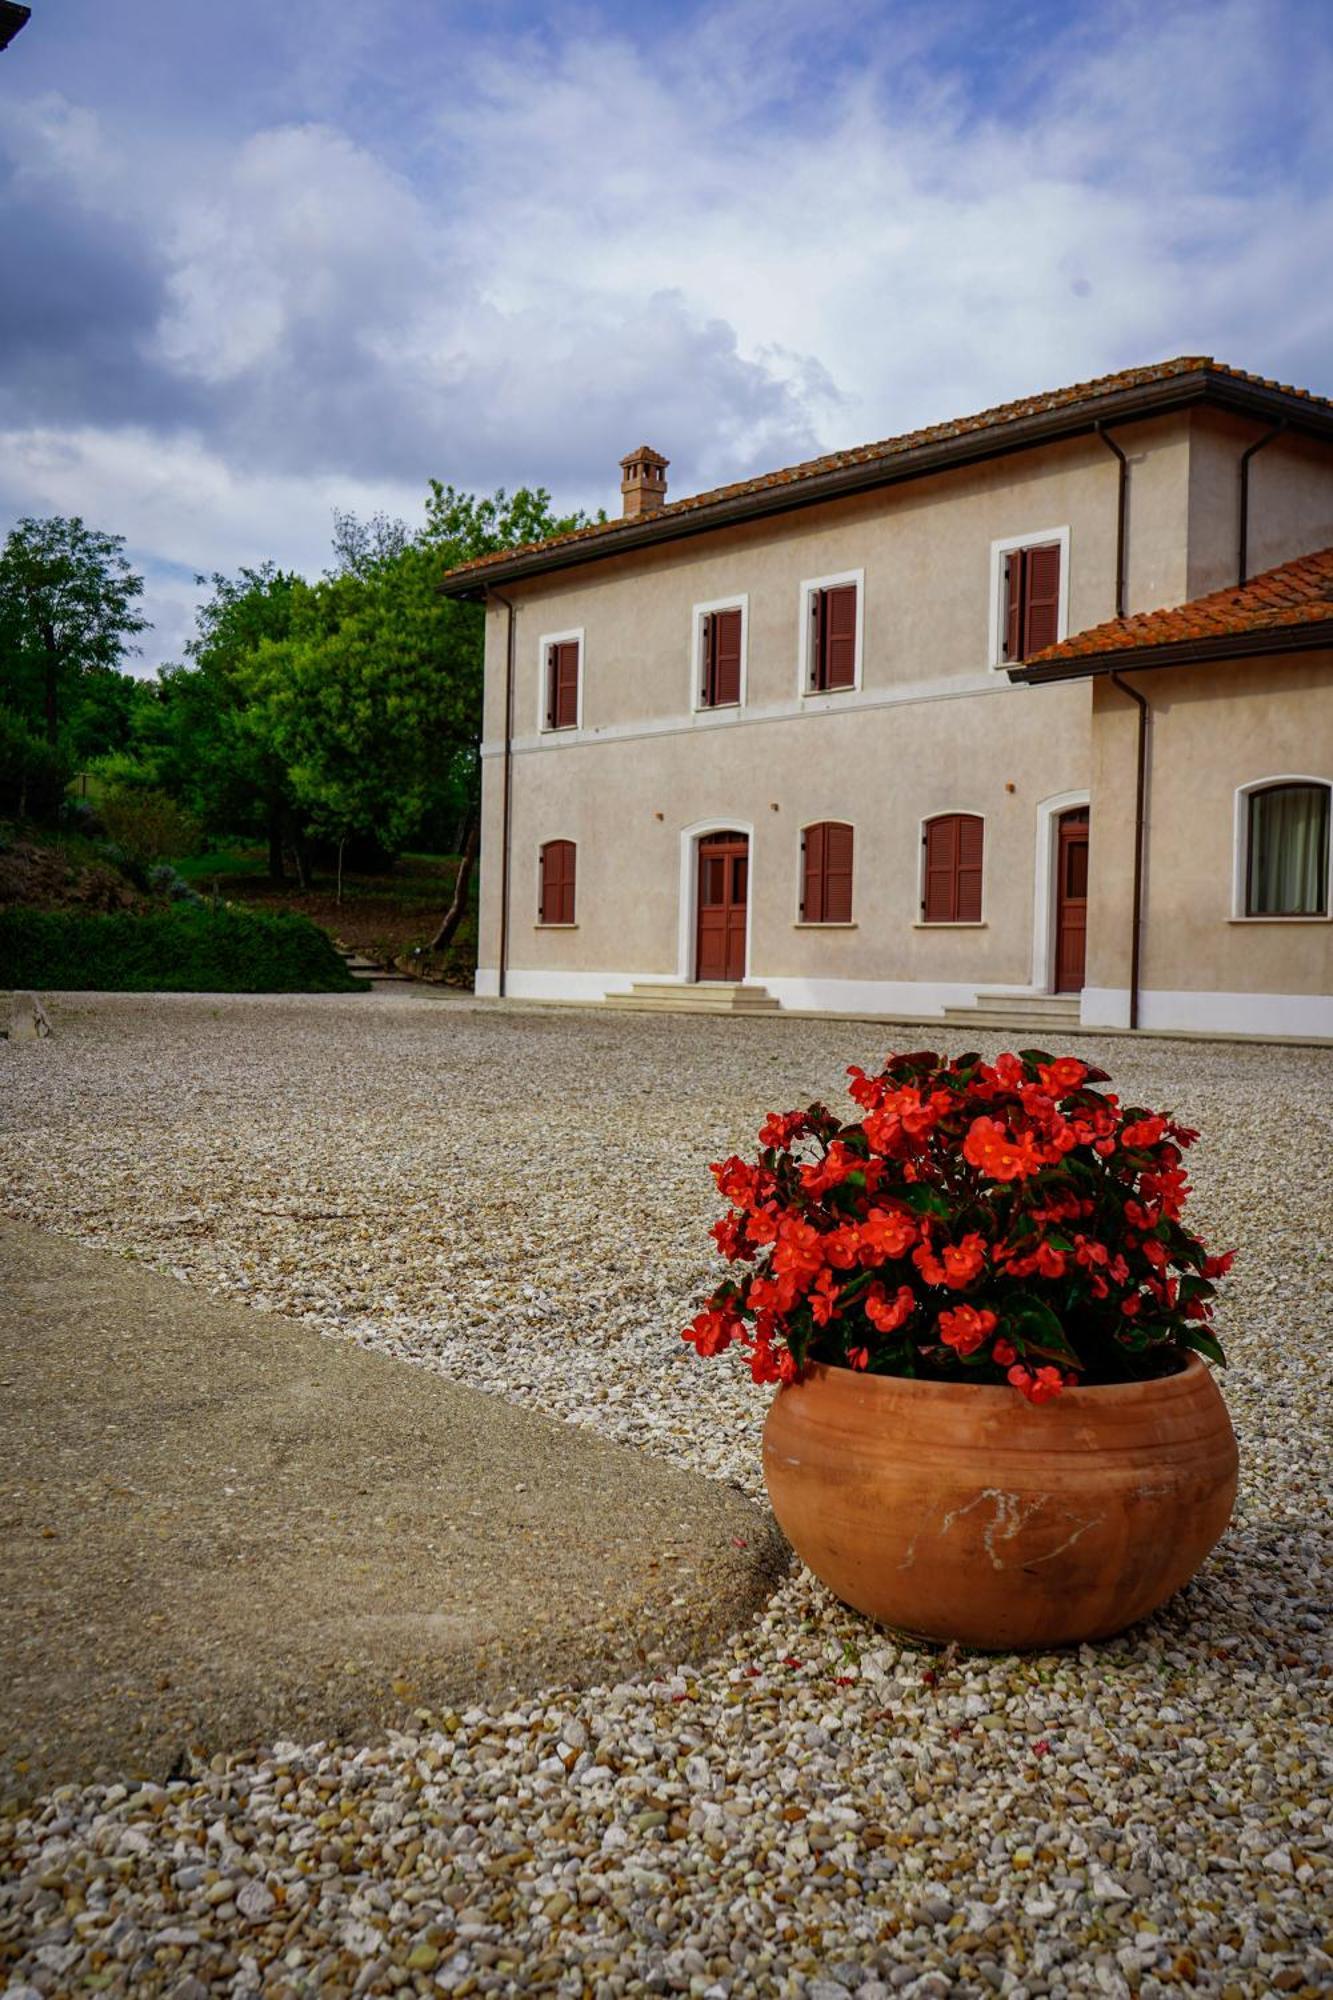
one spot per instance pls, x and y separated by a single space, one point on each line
68 611
203 744
378 702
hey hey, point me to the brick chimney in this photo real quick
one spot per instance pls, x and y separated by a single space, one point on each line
643 482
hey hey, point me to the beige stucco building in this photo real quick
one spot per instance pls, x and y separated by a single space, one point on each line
780 741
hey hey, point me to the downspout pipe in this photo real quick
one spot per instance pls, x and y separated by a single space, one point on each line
1243 551
506 791
1121 517
1140 810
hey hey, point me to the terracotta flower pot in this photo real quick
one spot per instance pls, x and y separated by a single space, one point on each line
959 1511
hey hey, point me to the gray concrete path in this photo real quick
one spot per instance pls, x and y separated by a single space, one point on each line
221 1528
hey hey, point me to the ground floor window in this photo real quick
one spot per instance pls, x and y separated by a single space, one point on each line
826 873
556 898
1287 855
951 869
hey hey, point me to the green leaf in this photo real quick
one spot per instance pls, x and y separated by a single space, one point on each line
1040 1331
923 1200
1205 1344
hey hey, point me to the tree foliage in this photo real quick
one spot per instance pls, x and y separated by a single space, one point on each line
343 709
68 618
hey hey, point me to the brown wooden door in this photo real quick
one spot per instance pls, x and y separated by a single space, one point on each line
1071 901
724 888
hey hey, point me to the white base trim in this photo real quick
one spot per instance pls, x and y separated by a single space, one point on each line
547 983
1296 1014
1299 1015
922 999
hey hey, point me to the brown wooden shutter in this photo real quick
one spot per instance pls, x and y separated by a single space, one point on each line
1042 598
967 899
839 636
812 888
941 842
725 647
562 681
1013 604
952 882
837 873
557 882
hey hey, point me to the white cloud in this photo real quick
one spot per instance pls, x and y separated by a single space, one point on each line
741 240
181 506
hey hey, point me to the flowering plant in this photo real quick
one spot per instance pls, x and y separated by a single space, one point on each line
1002 1222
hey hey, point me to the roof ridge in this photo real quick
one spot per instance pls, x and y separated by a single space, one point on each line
1047 402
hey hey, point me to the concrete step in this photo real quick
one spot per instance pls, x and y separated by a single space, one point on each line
668 997
1047 1012
372 974
1031 1003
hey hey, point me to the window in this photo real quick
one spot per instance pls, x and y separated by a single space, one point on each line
561 660
831 641
951 870
556 902
826 873
721 645
1029 594
1286 871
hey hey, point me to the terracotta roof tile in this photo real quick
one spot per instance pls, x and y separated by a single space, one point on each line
606 532
1295 593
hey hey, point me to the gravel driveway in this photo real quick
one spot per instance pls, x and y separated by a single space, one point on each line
520 1200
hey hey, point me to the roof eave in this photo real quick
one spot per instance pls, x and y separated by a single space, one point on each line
1128 405
1313 637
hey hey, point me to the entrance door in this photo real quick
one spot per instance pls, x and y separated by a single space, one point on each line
1071 901
724 887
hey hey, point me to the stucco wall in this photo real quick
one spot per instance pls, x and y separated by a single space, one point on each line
931 727
1291 500
1212 730
633 806
925 549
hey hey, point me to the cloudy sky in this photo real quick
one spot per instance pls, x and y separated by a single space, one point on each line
260 260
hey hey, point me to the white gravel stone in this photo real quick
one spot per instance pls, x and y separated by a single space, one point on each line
520 1200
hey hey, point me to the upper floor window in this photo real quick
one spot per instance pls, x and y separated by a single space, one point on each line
1030 595
719 654
562 660
1287 850
832 641
951 869
555 903
826 873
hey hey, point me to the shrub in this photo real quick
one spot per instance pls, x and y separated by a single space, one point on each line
148 826
1005 1223
187 948
165 882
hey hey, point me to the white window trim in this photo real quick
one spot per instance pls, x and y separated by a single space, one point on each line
823 924
739 602
1032 538
546 641
951 923
805 662
1241 851
690 836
